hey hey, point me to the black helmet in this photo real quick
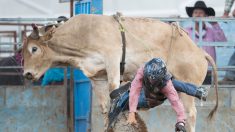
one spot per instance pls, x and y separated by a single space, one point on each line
155 70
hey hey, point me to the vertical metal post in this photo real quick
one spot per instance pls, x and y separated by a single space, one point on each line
194 30
15 46
71 8
200 31
71 93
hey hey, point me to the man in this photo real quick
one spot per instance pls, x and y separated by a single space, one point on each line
230 75
151 86
227 8
209 34
5 77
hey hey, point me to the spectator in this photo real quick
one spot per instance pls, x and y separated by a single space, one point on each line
5 74
227 8
230 75
209 34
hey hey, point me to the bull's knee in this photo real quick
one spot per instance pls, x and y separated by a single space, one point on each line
113 86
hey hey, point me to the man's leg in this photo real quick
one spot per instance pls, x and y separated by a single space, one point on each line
190 89
230 75
121 103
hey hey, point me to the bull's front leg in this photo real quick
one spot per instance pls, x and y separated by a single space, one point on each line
113 73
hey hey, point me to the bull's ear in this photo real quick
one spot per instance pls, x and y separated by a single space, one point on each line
24 39
48 34
35 33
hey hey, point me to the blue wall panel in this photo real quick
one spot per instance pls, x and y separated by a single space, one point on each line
82 100
82 85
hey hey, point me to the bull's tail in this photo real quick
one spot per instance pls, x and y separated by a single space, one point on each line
215 76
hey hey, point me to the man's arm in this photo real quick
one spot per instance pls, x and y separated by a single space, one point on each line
170 92
218 33
227 7
135 89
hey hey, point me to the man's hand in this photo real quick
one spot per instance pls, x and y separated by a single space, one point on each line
226 14
131 118
212 22
233 13
179 127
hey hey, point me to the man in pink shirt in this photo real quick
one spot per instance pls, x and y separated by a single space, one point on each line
211 33
150 87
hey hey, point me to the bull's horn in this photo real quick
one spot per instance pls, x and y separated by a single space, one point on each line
35 33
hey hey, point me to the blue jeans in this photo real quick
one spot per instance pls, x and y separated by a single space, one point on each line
184 87
231 74
142 102
179 86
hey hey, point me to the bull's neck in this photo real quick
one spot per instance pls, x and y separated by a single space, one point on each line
65 54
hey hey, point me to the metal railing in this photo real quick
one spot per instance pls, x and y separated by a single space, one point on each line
230 43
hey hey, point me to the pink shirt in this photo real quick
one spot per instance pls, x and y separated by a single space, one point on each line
169 91
214 34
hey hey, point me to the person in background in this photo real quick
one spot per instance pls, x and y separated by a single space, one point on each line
209 34
229 77
227 8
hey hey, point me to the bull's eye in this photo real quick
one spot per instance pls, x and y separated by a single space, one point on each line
34 49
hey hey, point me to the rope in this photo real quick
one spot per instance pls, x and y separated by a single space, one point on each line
170 47
122 30
148 51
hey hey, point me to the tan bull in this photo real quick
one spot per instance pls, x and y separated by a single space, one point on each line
93 44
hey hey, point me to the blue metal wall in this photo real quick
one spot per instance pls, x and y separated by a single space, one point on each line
82 85
82 101
89 7
33 109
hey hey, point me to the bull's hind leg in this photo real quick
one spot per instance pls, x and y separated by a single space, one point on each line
190 110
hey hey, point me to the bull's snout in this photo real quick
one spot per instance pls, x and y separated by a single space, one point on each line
28 76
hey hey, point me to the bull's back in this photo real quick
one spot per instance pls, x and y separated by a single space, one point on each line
146 38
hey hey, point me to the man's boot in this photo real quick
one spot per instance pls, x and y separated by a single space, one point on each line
202 93
118 105
122 89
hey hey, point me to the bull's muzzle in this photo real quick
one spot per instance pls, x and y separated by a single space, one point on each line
28 76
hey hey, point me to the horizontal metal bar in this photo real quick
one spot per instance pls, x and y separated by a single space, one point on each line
222 86
81 81
216 44
160 18
9 43
11 73
9 67
28 19
223 68
19 24
7 51
226 86
180 19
